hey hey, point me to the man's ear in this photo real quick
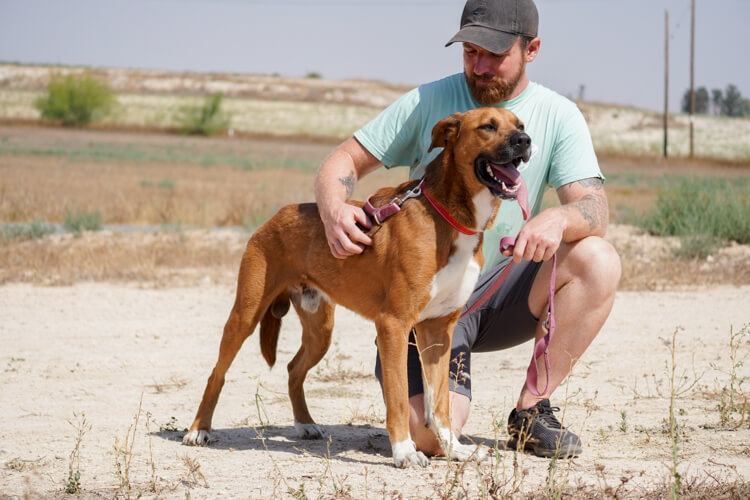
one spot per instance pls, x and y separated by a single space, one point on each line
445 131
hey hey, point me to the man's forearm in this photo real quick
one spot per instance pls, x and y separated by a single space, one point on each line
587 215
336 179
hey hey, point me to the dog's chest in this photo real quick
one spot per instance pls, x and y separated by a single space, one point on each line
453 284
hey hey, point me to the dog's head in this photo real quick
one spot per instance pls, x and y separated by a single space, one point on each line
492 143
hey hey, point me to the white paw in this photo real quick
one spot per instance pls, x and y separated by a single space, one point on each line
405 455
309 431
196 438
468 452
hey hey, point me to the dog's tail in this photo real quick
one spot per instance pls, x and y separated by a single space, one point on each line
270 325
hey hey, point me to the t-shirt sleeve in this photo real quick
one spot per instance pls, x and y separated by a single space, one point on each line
392 136
573 157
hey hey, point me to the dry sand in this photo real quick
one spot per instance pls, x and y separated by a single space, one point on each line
96 349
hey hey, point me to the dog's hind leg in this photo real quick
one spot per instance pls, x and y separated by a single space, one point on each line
236 330
317 327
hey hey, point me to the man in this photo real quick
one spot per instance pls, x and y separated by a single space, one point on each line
499 38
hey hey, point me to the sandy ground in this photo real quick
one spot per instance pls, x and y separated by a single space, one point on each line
96 349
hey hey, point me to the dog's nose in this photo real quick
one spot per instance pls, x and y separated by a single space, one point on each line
520 140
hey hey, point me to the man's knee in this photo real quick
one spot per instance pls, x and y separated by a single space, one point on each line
596 261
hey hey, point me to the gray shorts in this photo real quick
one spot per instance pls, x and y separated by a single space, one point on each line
503 321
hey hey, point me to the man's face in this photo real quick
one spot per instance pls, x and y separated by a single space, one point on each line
492 78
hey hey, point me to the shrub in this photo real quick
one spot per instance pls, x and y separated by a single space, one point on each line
206 119
703 212
80 221
75 99
33 230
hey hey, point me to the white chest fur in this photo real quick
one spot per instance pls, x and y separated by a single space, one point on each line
453 284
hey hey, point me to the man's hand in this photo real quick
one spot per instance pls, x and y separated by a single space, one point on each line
334 185
344 237
540 238
584 212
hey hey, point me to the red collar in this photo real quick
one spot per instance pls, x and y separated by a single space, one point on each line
442 211
380 214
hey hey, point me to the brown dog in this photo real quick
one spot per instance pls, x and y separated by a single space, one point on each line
419 273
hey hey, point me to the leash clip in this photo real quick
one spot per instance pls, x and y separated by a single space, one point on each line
412 193
545 324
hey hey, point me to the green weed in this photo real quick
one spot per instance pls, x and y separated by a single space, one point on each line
206 119
80 220
703 212
31 231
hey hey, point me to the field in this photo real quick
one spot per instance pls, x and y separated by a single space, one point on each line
109 335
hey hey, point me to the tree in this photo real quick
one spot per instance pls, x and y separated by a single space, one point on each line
701 101
717 97
732 103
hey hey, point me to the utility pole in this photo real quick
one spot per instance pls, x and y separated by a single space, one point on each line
692 73
666 78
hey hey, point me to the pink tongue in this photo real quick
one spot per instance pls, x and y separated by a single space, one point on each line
522 196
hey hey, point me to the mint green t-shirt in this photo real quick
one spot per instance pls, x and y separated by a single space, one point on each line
401 136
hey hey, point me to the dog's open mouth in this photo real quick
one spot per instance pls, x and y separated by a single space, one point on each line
507 177
504 180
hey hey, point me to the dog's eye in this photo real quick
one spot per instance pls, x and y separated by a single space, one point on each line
492 126
520 126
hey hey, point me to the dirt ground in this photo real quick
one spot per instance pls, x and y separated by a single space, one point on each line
99 330
96 349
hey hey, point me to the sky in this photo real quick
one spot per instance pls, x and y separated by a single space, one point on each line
608 51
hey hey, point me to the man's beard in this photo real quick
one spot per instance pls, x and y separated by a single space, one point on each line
500 90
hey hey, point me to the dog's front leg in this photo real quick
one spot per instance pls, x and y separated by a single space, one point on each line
434 344
392 347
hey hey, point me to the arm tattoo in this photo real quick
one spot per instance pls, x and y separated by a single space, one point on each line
593 206
348 183
593 209
591 182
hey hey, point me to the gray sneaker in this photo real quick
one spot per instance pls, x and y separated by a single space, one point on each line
538 430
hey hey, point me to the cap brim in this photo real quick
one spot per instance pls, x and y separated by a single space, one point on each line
495 41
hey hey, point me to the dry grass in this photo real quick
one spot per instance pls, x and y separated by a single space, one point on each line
178 190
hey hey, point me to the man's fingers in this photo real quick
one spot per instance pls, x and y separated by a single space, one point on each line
361 217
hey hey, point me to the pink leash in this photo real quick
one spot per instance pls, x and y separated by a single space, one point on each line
542 346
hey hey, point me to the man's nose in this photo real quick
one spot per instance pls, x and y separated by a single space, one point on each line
482 65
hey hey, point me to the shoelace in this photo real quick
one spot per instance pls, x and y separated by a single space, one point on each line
546 414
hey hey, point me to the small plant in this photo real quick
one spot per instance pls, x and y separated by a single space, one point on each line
81 426
31 231
166 184
206 119
76 100
193 473
731 396
674 428
124 454
623 421
80 220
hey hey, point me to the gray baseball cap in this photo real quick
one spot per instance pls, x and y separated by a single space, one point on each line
495 25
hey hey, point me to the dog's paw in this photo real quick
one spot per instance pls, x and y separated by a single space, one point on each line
309 431
405 455
468 452
196 438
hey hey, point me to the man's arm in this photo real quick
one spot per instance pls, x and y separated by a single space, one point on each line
334 184
584 212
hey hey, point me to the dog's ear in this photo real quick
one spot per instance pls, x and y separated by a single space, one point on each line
445 131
